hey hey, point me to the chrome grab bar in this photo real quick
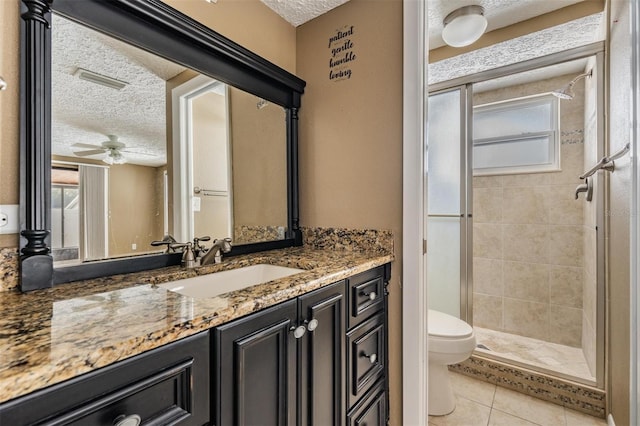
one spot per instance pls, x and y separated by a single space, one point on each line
606 162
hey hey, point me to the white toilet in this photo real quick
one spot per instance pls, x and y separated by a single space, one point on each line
451 341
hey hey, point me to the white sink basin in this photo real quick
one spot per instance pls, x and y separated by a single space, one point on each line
211 285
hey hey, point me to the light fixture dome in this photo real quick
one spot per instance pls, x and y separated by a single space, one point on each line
114 157
464 26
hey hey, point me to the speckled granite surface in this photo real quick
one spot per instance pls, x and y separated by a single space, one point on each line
8 268
51 335
369 240
569 394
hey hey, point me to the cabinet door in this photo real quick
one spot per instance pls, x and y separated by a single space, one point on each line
255 369
322 362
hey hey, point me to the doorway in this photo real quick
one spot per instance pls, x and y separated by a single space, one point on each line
203 203
518 250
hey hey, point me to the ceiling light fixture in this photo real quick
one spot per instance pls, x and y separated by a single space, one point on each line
114 157
566 91
464 26
100 79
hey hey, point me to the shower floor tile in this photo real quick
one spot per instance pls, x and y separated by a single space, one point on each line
553 357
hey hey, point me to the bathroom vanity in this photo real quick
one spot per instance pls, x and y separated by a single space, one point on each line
305 349
105 342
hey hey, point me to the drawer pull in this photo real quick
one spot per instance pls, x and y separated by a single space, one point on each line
372 358
299 331
124 420
312 325
371 295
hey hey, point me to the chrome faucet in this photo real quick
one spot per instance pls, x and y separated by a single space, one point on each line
587 187
214 254
188 257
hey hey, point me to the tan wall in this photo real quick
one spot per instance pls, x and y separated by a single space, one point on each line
618 213
259 161
351 139
135 210
528 235
9 109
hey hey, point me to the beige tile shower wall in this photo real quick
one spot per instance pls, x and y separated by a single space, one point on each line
589 283
528 244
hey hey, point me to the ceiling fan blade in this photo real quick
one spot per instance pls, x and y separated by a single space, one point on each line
137 152
92 152
86 145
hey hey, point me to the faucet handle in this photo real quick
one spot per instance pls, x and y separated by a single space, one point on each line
225 245
199 248
188 257
167 240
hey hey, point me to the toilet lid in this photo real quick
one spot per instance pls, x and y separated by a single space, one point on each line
445 325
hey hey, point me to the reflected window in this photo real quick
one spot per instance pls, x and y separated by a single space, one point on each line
516 136
65 220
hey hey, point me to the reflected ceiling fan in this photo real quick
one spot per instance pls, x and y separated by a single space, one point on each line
113 148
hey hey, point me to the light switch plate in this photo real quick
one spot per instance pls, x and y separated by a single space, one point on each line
9 220
196 204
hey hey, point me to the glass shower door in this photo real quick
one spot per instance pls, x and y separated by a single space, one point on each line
448 207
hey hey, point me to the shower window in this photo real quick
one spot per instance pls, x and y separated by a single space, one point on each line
516 136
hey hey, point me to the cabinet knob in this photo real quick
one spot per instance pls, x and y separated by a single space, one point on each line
372 358
299 331
124 420
312 325
371 295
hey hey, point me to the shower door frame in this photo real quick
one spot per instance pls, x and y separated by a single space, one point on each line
596 50
466 198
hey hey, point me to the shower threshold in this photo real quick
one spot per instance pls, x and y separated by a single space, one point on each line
551 358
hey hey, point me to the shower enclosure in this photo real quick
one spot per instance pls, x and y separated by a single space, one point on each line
514 248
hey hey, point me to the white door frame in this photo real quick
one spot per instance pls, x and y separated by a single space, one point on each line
182 147
414 290
634 356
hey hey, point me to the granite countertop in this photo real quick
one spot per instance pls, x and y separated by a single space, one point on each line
48 336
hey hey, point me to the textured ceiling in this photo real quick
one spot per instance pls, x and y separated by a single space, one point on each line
499 13
85 112
297 12
551 40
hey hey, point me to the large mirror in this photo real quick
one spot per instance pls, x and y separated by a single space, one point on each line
144 149
152 137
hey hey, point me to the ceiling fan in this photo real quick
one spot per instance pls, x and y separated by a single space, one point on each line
112 147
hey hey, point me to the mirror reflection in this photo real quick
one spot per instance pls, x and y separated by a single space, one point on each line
144 148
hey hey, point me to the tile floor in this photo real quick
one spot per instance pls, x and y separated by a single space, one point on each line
480 403
550 356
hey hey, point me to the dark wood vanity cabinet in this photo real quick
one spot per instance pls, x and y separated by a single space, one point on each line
167 385
319 359
367 348
283 365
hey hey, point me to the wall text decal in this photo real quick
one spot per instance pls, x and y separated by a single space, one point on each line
342 54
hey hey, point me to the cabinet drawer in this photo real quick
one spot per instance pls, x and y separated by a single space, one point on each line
168 385
372 410
366 295
365 358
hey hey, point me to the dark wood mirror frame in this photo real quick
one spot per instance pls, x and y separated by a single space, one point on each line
160 29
